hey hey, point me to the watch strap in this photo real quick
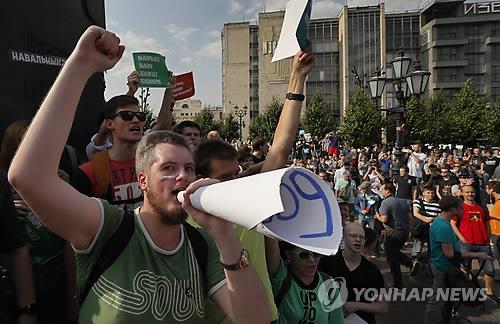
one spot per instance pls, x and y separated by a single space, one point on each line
241 264
295 96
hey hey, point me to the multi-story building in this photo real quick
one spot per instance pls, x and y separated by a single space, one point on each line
461 41
325 77
401 36
452 39
186 109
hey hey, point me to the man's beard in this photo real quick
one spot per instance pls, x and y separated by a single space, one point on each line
166 217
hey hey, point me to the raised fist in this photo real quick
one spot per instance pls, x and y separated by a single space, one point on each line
99 49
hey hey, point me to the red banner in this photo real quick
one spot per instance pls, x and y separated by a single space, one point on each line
184 86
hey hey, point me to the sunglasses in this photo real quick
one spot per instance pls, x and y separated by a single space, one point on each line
304 255
128 115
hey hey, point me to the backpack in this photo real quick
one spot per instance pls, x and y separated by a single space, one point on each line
119 240
104 184
102 170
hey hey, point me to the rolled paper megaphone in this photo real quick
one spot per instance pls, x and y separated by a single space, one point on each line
291 204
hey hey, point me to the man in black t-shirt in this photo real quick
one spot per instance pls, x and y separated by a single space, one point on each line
488 166
445 183
405 184
359 273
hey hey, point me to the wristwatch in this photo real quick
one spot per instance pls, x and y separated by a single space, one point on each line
294 96
241 264
30 309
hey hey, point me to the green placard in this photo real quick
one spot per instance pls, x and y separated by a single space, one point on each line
152 69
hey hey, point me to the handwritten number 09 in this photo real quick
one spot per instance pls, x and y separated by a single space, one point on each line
318 194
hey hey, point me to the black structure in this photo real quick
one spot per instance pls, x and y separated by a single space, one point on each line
38 36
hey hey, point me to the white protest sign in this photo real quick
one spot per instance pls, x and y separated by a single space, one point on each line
297 13
354 318
292 204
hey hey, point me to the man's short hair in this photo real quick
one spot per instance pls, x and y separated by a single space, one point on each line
426 187
212 150
117 102
405 167
495 185
448 202
389 186
178 128
145 154
257 142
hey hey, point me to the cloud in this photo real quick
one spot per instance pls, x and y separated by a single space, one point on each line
325 9
180 33
258 6
213 33
212 50
188 60
234 6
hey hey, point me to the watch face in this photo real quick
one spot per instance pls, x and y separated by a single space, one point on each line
244 260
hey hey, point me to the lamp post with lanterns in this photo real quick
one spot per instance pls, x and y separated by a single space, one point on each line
240 113
406 84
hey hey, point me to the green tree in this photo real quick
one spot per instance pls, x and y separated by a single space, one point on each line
206 121
265 124
472 118
361 125
229 128
428 120
317 119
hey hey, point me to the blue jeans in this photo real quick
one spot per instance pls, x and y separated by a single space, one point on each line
488 268
438 311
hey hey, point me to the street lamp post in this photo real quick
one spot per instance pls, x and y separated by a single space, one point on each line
240 113
406 84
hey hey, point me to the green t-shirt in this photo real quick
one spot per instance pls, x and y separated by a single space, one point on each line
253 241
300 304
146 284
442 232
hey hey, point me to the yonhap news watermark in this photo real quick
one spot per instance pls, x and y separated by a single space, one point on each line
333 294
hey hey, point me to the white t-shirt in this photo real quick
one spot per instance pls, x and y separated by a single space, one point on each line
414 167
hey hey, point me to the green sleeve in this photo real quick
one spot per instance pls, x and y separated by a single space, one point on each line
215 276
279 277
111 217
336 316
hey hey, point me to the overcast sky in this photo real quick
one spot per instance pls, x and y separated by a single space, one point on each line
187 33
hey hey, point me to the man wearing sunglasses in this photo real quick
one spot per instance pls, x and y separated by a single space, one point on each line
110 174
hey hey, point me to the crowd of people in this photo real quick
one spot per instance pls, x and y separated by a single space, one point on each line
104 239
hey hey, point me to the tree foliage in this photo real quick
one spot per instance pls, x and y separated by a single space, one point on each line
265 124
472 118
428 121
205 119
317 118
361 125
469 120
229 128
